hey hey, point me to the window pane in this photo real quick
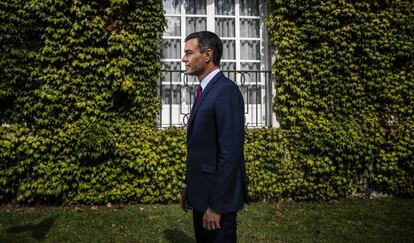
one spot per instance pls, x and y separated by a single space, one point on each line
188 93
253 94
173 26
172 6
250 50
224 7
249 7
228 69
171 94
195 24
172 49
250 66
191 79
225 27
172 71
252 90
231 66
251 76
195 6
250 28
229 49
171 65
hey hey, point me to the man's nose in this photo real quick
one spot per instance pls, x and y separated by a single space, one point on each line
184 59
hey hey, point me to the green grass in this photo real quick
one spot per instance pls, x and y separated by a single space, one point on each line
385 220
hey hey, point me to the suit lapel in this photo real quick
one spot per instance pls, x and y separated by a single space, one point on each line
203 97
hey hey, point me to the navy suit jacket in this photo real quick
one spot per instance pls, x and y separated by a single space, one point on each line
216 175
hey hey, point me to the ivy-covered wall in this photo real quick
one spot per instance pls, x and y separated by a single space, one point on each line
345 91
106 162
64 60
78 88
124 162
77 76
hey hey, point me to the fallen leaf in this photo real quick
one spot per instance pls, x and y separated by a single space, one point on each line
94 208
152 217
279 214
109 205
141 209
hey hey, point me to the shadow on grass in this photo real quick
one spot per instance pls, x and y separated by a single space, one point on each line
39 231
176 235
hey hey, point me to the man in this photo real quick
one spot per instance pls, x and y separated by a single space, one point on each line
216 184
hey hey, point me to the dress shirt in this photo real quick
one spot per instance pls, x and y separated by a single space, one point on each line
208 78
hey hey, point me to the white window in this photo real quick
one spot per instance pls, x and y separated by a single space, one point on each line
239 23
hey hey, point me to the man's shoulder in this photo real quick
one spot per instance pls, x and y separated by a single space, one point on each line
225 81
225 87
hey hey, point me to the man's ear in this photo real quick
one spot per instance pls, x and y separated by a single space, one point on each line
208 55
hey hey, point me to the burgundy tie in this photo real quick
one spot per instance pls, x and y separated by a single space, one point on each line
199 92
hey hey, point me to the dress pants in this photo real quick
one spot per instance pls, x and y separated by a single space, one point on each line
227 233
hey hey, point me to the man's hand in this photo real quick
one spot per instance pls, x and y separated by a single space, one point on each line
211 220
183 201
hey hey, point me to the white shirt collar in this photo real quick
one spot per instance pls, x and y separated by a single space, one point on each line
208 78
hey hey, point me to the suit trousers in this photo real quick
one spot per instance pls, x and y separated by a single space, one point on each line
227 233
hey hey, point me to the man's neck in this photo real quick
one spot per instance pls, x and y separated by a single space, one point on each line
206 72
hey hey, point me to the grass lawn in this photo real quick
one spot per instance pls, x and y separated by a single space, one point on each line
363 220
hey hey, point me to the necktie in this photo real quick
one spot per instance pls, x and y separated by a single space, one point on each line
199 92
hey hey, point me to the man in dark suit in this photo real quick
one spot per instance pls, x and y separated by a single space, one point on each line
216 184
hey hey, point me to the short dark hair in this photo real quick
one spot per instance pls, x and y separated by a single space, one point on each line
208 40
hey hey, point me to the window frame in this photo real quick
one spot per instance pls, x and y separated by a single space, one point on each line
211 23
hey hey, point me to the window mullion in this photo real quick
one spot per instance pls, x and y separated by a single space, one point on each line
237 33
263 37
183 31
210 16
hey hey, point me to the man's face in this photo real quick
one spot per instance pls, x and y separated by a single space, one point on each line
195 61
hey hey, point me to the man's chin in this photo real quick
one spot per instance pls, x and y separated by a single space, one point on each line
188 72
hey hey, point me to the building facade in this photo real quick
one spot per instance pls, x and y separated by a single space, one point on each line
246 56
